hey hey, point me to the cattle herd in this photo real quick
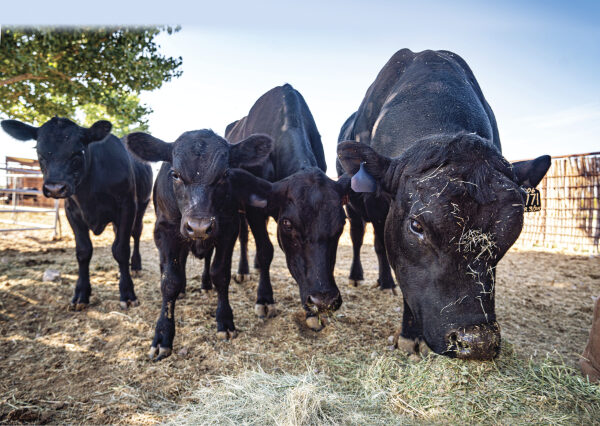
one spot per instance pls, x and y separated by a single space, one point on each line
420 159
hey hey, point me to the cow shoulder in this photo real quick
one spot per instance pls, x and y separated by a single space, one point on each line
112 166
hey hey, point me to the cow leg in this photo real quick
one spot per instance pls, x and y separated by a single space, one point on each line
138 224
173 256
220 274
264 254
243 273
385 281
408 337
83 251
206 282
256 262
120 251
357 233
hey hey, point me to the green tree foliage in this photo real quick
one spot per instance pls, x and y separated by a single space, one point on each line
82 73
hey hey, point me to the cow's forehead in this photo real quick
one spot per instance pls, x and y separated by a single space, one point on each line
312 200
59 135
311 187
446 203
201 156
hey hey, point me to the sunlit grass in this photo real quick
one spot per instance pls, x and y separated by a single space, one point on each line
392 389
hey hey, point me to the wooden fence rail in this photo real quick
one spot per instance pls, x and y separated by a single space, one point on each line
570 215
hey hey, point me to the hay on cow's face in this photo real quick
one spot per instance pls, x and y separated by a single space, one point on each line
477 241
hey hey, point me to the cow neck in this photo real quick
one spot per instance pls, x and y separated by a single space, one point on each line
79 195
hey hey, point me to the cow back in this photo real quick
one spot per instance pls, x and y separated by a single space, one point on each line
419 95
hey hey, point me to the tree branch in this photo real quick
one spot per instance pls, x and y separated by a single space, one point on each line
21 77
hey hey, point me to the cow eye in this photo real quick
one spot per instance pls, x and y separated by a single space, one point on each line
416 228
175 176
286 224
76 161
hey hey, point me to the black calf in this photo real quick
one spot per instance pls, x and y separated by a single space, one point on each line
197 196
101 183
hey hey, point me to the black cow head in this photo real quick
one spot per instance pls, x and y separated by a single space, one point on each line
456 207
62 148
207 182
310 219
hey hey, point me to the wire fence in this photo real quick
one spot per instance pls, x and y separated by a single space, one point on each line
570 215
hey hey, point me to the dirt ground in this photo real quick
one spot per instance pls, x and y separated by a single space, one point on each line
91 366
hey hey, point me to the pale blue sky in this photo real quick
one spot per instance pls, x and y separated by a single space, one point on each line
538 64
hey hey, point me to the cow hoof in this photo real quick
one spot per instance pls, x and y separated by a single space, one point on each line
136 273
408 346
424 349
265 311
162 353
206 290
240 278
260 310
129 304
355 283
414 358
314 323
181 295
227 335
390 291
79 306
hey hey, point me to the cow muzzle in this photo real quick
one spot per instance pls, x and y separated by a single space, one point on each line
55 190
477 342
324 302
199 228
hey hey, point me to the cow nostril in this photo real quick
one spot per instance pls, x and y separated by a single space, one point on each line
208 229
189 229
453 337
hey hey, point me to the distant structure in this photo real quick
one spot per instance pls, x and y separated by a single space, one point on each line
570 215
21 195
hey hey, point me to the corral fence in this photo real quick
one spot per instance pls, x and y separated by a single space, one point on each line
21 195
570 215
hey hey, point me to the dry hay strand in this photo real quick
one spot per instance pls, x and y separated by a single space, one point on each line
475 240
257 398
395 389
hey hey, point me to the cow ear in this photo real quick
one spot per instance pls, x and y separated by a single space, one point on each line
278 196
19 130
364 164
149 148
531 172
98 131
252 151
249 189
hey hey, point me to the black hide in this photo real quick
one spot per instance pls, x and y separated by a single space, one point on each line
101 183
447 205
